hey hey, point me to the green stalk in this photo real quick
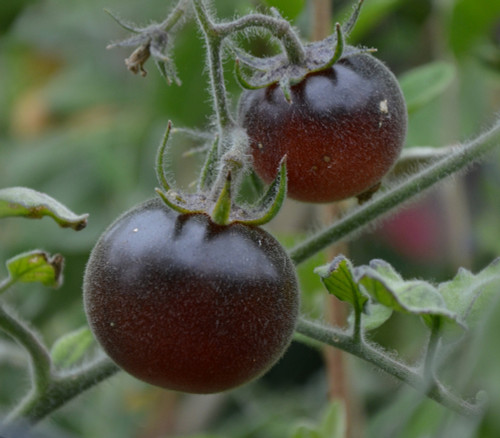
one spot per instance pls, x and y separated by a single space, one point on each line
339 339
213 40
40 363
6 283
175 15
279 28
458 159
35 407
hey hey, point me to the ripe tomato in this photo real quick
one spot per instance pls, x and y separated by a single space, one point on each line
341 133
185 304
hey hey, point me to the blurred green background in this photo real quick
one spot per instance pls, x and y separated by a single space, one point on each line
75 124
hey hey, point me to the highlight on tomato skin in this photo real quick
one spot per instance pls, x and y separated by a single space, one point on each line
187 305
342 132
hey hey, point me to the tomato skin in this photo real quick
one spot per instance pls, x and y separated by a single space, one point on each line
341 134
185 304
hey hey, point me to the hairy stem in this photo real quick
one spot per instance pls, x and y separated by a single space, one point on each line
339 339
175 15
213 40
458 159
432 346
62 389
40 363
279 28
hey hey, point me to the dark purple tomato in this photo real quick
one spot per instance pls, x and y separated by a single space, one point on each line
342 132
185 304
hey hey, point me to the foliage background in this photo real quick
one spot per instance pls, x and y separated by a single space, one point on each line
74 123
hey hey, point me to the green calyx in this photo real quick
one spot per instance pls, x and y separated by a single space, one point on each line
214 194
280 69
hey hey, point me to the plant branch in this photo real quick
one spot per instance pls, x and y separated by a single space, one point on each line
40 363
279 28
63 388
213 40
215 33
175 15
49 390
459 159
339 339
432 346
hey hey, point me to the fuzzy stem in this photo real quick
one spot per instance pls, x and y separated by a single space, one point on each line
432 346
357 334
40 363
279 28
459 158
213 40
175 15
339 339
62 389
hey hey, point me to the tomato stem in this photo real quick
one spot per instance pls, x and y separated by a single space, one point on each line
371 353
63 387
278 27
213 39
40 363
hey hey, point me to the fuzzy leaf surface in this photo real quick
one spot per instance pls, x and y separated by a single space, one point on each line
417 297
339 278
471 295
25 202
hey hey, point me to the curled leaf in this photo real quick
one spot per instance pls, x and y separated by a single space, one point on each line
339 279
28 203
36 266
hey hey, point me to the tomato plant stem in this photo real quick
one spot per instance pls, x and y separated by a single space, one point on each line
175 15
339 339
459 158
213 40
63 387
40 363
432 346
279 28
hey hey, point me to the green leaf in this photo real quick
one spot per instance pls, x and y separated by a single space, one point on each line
24 202
70 348
36 266
417 297
339 279
423 84
469 295
288 8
